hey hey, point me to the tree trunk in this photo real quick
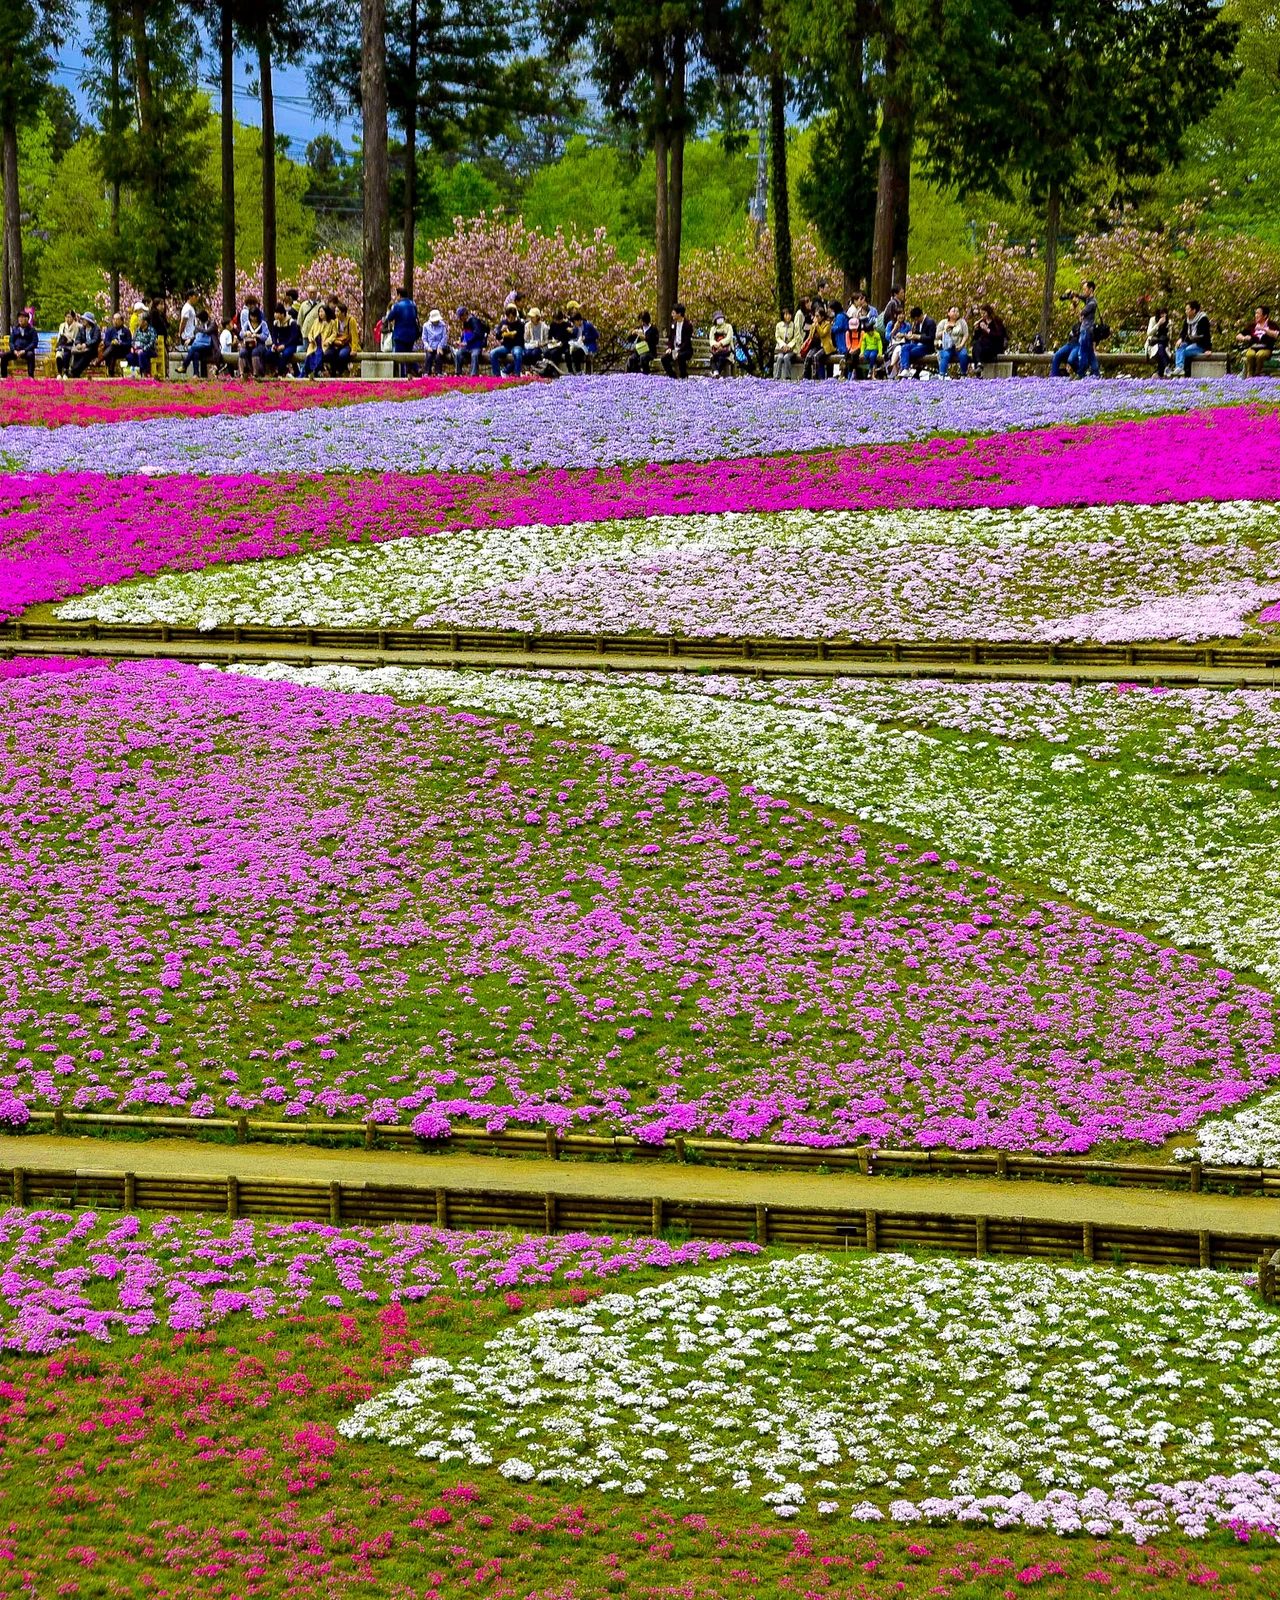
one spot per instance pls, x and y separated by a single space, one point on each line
895 121
142 69
115 180
228 167
902 208
783 269
1052 222
376 182
660 214
675 189
411 152
12 227
266 91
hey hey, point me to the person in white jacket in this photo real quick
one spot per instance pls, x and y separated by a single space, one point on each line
787 337
537 335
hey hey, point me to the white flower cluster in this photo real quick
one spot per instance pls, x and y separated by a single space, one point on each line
1197 860
1249 1137
866 1377
1106 573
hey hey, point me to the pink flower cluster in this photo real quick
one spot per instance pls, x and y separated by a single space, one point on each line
48 403
61 535
65 1277
223 895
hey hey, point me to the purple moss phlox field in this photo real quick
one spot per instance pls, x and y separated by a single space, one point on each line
218 894
64 1277
61 535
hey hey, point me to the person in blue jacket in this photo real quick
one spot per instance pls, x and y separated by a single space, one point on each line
475 333
117 342
584 341
402 322
23 340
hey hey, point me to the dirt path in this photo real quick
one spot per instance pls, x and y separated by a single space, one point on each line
964 1196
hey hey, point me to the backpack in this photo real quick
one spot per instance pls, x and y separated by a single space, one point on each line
1102 330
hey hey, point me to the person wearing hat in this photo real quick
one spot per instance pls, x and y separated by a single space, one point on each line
435 341
471 341
86 344
537 336
117 342
139 308
23 340
721 345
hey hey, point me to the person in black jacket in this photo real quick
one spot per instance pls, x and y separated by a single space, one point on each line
1196 338
989 338
23 340
679 344
921 334
643 344
86 345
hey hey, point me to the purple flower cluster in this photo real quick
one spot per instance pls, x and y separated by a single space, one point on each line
65 1277
219 894
597 422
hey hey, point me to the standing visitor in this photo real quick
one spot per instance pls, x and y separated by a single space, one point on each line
187 320
679 344
1259 341
786 342
23 340
435 342
1159 333
158 317
1087 363
401 320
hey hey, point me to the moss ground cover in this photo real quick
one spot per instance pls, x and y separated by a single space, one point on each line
1107 573
228 894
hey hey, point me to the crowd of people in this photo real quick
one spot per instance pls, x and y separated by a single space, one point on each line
307 336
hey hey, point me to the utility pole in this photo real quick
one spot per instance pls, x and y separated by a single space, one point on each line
759 208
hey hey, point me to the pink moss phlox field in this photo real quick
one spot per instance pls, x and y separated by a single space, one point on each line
219 895
64 1277
51 403
60 536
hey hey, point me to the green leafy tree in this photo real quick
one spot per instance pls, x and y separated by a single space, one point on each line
29 32
838 192
1047 90
659 69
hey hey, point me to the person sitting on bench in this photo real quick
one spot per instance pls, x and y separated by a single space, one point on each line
117 342
23 340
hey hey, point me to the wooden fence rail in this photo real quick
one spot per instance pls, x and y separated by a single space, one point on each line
586 649
822 1227
1190 1176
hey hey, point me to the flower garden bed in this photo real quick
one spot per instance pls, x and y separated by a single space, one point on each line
608 421
223 894
209 1461
51 403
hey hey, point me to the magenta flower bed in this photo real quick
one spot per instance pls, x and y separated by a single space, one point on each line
219 895
51 403
67 1277
62 535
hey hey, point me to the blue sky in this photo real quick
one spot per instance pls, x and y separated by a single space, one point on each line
294 116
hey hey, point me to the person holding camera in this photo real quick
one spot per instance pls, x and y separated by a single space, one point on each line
1087 362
